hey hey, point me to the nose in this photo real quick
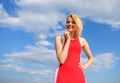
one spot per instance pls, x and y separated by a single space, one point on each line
70 23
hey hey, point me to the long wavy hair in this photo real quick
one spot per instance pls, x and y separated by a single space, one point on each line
78 23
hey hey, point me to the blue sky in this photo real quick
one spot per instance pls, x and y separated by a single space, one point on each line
28 29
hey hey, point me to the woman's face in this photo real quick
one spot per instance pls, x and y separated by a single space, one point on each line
70 25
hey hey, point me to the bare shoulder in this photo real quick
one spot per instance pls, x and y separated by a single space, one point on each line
58 42
83 41
58 37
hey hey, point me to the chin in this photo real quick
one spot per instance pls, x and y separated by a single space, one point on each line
70 30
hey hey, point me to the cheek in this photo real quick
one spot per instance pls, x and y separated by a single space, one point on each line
74 26
67 26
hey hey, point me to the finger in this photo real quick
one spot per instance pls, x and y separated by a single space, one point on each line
66 32
81 66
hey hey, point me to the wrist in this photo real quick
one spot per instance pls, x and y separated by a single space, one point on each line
85 66
68 39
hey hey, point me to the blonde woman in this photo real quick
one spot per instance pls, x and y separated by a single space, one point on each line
68 50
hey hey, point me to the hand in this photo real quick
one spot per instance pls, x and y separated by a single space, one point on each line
67 34
83 67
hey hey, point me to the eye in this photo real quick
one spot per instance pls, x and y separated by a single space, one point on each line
68 22
73 22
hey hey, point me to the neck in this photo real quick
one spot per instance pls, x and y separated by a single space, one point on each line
72 35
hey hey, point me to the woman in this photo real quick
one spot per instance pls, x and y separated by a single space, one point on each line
68 50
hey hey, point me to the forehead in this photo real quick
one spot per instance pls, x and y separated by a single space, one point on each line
69 19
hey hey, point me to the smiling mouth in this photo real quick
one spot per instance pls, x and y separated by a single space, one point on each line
70 27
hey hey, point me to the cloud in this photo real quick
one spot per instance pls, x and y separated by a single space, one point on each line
105 12
102 12
41 40
23 79
5 19
38 60
34 61
17 68
103 62
41 16
33 56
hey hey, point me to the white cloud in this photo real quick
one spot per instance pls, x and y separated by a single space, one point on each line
43 61
34 56
21 69
39 16
102 62
104 12
36 60
42 36
42 40
5 19
44 43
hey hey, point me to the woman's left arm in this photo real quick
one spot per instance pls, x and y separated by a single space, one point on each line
87 51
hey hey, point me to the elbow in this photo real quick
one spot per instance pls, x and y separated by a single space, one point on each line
61 61
92 59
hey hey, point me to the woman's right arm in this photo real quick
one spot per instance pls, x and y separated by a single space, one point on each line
61 52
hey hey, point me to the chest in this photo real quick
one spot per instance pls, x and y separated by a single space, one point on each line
75 45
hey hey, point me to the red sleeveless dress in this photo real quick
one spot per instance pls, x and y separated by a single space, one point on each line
70 72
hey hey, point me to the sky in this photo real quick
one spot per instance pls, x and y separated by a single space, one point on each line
28 29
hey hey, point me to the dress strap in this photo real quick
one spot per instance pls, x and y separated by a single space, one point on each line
80 41
63 39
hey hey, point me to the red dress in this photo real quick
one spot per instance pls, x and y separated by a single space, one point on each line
70 72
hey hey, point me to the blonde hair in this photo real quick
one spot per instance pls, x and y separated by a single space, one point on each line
78 23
